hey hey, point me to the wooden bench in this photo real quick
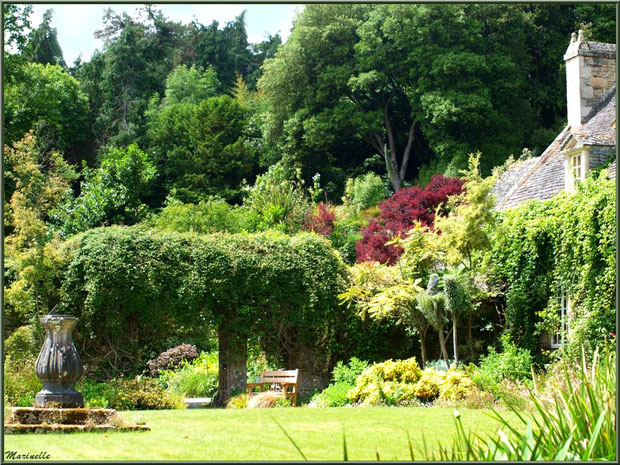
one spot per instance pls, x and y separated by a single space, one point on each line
285 378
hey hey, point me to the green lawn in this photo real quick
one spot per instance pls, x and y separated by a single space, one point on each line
213 434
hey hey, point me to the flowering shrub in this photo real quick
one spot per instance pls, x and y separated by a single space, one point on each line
398 214
172 358
320 220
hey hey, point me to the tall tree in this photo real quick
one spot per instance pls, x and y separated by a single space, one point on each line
47 99
43 46
16 22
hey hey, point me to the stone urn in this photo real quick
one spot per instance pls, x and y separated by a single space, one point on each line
59 366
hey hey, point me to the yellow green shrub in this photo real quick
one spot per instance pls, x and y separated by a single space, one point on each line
456 386
429 385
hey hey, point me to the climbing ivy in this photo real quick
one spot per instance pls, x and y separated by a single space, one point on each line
134 288
566 244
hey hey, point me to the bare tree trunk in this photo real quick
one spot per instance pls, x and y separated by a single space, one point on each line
456 356
442 345
232 374
423 347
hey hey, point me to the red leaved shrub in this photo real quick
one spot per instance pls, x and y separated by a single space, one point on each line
397 215
322 220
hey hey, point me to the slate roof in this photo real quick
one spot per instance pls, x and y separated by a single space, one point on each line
543 177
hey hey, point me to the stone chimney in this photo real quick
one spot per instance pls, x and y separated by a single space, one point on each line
590 72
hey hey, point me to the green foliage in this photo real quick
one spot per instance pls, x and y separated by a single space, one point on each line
334 395
348 373
197 378
563 244
49 100
201 149
190 85
466 228
110 194
347 227
365 191
21 383
43 46
513 363
207 216
41 182
580 424
278 200
134 288
139 393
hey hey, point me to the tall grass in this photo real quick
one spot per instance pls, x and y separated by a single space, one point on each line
579 423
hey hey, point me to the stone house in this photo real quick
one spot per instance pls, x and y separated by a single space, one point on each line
586 142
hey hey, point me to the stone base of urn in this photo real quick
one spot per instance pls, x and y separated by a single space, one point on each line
65 420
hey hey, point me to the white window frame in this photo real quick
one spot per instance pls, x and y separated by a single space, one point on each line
578 169
559 338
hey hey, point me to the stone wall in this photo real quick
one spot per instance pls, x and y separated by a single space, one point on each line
599 155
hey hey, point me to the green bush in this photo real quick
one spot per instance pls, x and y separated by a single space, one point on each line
512 363
348 373
208 216
139 393
20 381
277 200
347 231
334 395
365 191
193 379
344 377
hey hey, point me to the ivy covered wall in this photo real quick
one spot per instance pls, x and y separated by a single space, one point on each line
543 248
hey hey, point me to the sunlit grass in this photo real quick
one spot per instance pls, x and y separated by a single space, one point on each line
210 434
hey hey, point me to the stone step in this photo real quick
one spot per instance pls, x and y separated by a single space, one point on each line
197 402
15 428
64 416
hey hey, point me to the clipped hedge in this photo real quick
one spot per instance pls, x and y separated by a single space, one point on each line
133 288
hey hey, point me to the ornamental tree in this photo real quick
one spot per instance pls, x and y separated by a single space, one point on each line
398 215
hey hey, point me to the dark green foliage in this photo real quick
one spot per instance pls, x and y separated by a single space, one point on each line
564 244
43 46
226 49
201 149
133 288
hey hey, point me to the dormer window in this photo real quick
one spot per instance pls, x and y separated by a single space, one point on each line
577 167
577 162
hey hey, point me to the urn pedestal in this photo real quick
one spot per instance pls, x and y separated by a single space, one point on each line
58 407
59 366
